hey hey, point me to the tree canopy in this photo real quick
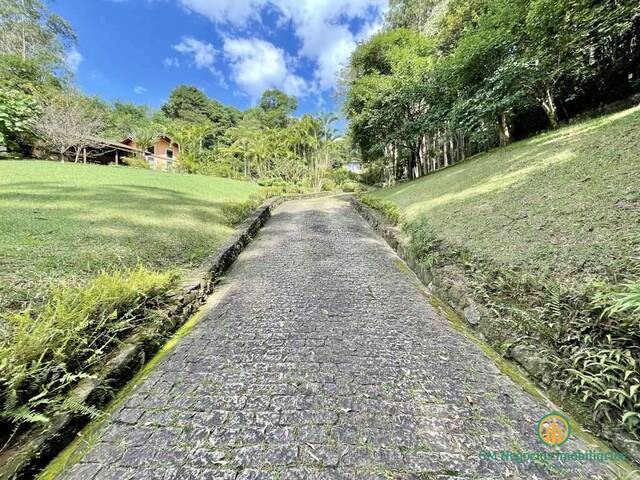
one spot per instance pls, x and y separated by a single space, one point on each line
446 79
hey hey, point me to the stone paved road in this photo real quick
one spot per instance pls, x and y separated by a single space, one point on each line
322 359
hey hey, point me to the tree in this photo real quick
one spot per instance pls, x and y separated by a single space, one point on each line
144 136
18 112
276 108
69 122
189 104
124 119
190 139
242 142
387 99
28 76
419 15
455 77
27 29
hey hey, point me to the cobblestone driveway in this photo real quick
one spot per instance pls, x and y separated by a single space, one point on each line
321 359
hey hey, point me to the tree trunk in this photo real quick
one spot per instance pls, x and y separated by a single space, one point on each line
451 148
505 130
427 161
445 154
24 33
462 154
434 152
412 163
549 107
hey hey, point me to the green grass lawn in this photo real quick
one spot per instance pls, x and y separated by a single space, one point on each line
565 203
66 222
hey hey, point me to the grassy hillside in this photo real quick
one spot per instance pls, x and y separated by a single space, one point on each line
566 202
67 222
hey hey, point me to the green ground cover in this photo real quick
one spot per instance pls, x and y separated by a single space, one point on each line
565 203
64 223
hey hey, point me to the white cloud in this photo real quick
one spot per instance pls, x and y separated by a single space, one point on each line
139 90
171 62
258 65
203 53
324 27
236 12
73 58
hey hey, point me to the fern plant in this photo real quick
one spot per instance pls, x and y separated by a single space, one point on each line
46 352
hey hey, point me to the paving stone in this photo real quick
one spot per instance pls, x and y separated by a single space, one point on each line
322 360
84 471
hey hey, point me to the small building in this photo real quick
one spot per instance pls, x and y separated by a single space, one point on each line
354 167
161 155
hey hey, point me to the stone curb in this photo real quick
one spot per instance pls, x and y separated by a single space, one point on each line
41 446
478 317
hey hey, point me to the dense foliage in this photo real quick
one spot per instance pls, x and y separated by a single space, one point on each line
446 79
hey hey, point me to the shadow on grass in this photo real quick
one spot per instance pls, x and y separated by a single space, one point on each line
51 233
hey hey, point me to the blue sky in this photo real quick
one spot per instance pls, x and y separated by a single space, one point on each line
139 50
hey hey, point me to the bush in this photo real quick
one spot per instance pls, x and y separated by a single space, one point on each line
237 212
219 169
389 209
373 174
329 186
603 351
351 187
135 162
271 182
44 353
342 175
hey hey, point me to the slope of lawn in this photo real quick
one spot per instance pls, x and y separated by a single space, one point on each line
66 223
565 203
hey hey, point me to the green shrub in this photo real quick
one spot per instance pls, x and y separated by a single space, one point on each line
135 162
424 245
44 353
342 175
329 185
590 338
603 348
272 182
373 174
237 212
351 187
219 169
389 209
266 193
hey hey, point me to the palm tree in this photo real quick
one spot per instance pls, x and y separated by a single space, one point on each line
144 136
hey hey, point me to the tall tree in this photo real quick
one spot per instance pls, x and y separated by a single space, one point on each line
187 103
190 104
29 30
276 108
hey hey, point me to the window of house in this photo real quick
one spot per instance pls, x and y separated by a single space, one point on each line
169 153
151 150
